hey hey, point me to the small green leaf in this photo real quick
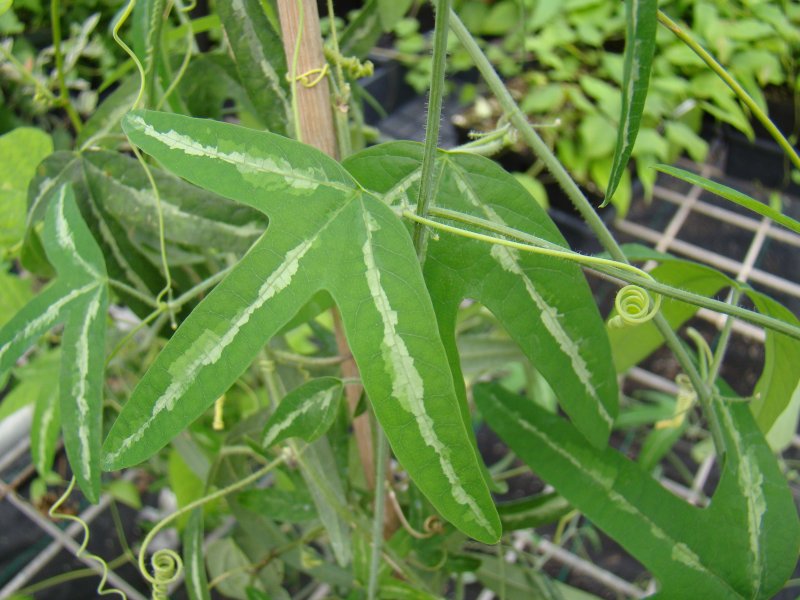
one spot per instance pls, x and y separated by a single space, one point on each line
16 292
259 56
79 299
280 505
732 195
640 43
307 412
126 492
744 545
21 150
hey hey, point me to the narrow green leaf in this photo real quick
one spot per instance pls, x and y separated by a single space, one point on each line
348 243
544 304
79 298
640 43
46 424
307 412
361 34
148 24
196 579
327 492
733 195
538 510
104 122
744 545
258 52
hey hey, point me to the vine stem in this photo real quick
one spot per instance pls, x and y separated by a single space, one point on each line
426 188
576 196
63 92
740 92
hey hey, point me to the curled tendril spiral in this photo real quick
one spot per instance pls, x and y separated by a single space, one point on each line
167 565
634 306
54 514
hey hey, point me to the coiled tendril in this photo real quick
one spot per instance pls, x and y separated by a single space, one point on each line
54 514
634 306
167 567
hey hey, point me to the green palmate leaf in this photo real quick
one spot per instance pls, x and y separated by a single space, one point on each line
258 52
780 376
79 299
196 579
733 195
20 151
640 42
744 545
544 304
325 233
307 412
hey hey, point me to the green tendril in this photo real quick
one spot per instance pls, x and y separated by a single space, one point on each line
115 34
634 306
167 290
167 566
82 553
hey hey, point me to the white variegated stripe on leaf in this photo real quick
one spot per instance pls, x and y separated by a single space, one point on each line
288 178
20 332
307 412
65 235
407 385
211 346
79 392
400 192
751 483
508 259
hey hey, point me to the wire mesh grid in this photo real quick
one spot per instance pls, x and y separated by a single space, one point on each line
675 208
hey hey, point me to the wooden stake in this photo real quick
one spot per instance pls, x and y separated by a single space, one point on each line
313 103
317 129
